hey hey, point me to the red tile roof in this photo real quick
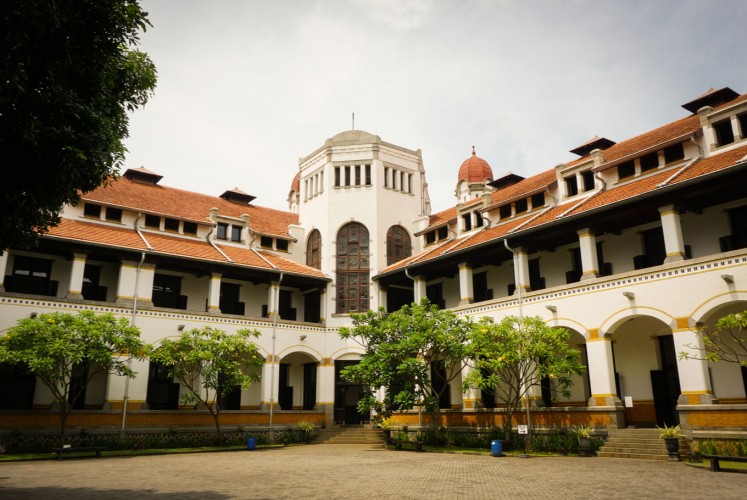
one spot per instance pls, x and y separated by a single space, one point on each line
182 204
164 244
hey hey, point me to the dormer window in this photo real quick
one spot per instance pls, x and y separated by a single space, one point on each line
479 221
674 153
521 206
265 242
625 170
222 231
236 233
587 177
538 200
742 119
114 214
171 224
649 162
152 221
505 211
281 245
436 235
724 132
571 186
467 218
91 210
190 228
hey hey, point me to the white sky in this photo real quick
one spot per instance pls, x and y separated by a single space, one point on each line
245 88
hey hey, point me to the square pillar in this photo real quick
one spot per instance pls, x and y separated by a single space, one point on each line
270 376
601 371
131 274
214 293
587 241
325 389
466 287
521 263
136 388
77 271
419 291
3 266
672 228
695 384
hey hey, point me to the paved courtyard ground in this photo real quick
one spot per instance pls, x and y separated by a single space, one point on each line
357 471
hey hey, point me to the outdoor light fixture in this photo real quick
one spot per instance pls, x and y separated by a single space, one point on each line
551 308
303 337
180 327
629 295
728 278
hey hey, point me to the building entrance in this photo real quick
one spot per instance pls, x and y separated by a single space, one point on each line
347 396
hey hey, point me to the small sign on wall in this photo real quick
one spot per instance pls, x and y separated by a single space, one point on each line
628 401
523 429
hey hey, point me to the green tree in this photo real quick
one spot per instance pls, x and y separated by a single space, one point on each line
515 354
58 348
724 342
70 76
402 350
210 363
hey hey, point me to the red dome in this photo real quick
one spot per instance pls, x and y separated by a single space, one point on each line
474 169
296 184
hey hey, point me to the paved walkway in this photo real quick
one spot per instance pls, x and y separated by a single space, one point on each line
359 471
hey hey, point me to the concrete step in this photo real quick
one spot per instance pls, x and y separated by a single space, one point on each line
349 435
638 443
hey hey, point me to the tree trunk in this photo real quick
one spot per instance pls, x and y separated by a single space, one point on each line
214 411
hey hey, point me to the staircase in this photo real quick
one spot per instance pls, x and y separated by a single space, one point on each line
638 443
349 434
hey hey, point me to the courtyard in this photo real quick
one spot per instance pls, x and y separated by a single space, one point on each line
360 471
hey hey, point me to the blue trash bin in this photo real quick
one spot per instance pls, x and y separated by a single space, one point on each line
496 448
251 443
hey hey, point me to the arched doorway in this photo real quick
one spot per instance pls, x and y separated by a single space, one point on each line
646 373
297 381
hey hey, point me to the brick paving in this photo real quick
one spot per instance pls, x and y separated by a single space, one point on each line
361 471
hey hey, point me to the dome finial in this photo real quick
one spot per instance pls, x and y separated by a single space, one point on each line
473 150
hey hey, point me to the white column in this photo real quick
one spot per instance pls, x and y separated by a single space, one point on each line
136 388
3 265
466 287
736 129
601 371
521 261
381 297
272 306
270 383
214 293
325 388
323 305
419 289
76 276
129 275
695 384
587 242
672 228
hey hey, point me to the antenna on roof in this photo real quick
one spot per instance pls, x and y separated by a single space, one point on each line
353 121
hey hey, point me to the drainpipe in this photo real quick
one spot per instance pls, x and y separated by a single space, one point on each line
132 323
276 312
420 407
521 320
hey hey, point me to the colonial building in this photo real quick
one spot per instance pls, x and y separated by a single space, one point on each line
630 245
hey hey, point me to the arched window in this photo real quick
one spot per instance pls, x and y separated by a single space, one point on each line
397 244
352 268
314 250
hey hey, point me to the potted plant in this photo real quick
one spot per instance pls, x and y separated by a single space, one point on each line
671 436
387 425
400 438
583 432
306 428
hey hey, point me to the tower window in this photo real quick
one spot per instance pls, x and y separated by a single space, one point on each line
398 244
352 263
368 175
314 250
337 176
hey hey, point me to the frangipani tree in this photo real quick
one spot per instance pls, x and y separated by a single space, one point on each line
52 345
515 354
727 341
400 350
209 363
